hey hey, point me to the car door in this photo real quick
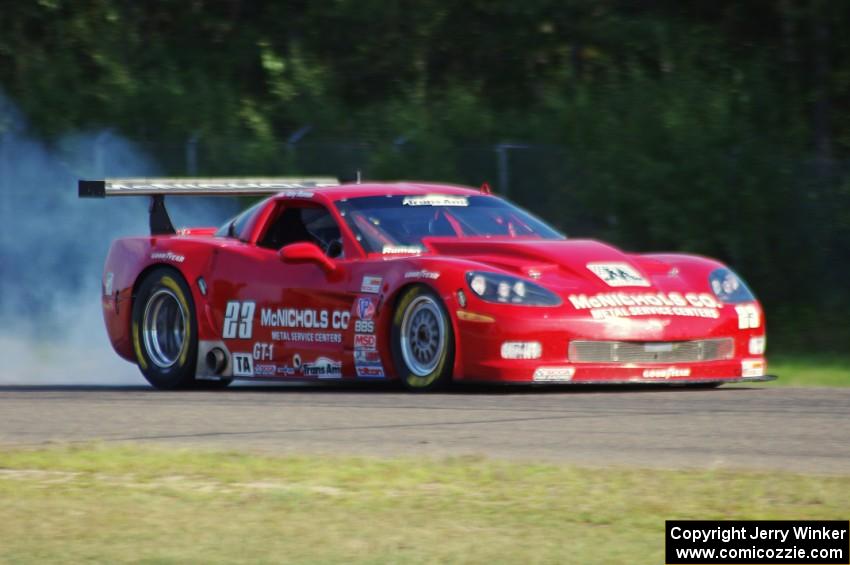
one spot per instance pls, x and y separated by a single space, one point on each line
283 319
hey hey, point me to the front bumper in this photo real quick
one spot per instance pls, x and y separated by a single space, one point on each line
480 357
549 371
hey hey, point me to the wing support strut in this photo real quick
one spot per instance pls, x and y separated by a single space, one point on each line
160 221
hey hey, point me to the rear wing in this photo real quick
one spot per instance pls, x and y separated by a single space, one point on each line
158 188
197 187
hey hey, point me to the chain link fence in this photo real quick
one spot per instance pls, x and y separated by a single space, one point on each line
538 177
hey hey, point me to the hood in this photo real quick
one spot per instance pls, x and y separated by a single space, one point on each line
586 262
621 295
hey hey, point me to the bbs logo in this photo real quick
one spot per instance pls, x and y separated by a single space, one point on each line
364 326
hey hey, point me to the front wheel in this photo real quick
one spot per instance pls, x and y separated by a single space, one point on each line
422 340
165 331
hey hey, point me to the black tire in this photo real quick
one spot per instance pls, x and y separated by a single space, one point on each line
165 330
420 313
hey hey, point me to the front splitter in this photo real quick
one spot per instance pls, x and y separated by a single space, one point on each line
708 381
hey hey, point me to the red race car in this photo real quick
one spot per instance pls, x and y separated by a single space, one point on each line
425 283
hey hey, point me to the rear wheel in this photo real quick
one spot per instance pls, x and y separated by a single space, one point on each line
422 340
165 330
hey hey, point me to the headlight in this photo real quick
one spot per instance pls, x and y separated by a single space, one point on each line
729 287
506 289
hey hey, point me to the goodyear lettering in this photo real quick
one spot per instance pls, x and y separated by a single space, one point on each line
167 256
666 373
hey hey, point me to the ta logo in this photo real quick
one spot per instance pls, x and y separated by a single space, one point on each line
618 274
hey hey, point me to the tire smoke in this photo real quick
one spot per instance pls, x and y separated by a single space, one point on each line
53 246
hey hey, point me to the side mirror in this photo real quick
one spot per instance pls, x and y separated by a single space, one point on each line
305 252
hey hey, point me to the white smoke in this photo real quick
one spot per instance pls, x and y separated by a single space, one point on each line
53 246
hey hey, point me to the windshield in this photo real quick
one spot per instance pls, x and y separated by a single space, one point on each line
397 224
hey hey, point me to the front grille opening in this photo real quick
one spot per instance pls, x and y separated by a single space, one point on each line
587 351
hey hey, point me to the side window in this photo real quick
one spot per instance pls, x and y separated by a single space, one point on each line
310 223
236 226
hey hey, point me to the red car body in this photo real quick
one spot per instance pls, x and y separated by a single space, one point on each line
291 314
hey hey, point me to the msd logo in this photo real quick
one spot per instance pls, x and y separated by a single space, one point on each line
365 341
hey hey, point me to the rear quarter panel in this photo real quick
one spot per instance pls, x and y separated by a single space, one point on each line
130 259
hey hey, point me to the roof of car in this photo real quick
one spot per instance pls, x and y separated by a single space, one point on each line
353 190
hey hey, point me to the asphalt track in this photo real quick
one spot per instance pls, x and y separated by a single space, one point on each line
804 430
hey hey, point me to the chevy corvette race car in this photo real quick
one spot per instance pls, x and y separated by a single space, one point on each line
424 283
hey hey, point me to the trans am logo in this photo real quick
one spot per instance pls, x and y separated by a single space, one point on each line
323 368
365 308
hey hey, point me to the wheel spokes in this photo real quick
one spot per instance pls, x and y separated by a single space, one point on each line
164 328
423 335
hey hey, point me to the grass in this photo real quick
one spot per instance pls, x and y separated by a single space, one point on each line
810 370
154 505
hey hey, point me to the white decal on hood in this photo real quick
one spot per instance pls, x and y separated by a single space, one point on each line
618 274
